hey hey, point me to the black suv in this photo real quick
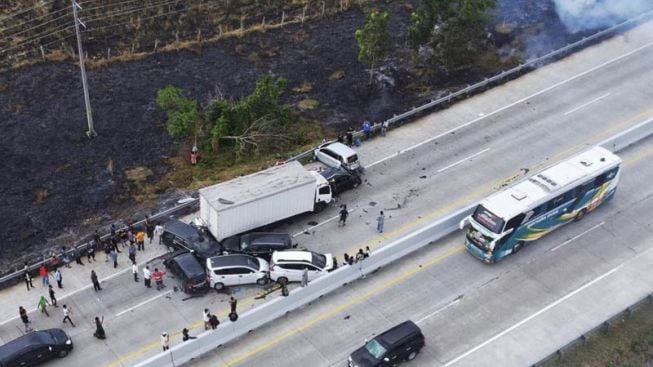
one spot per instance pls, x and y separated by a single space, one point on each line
182 236
340 179
260 244
187 269
35 348
401 343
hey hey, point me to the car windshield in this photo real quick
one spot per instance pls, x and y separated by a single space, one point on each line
375 349
488 219
353 158
253 262
46 337
318 260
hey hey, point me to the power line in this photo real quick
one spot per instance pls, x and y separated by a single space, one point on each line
133 10
13 15
36 26
37 37
31 20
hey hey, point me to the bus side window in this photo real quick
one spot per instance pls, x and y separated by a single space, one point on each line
515 221
587 186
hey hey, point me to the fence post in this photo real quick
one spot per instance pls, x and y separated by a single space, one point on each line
283 17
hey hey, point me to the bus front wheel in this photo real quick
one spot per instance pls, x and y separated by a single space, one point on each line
518 246
580 215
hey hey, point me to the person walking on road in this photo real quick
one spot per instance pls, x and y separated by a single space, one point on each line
140 240
23 317
206 317
53 299
147 277
149 228
380 220
344 213
43 306
99 330
66 315
90 251
96 282
77 255
185 335
45 277
114 257
132 253
158 278
165 341
59 278
28 279
135 272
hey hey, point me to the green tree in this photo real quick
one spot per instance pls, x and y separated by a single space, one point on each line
184 117
372 39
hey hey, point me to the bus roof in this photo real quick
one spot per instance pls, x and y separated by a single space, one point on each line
529 193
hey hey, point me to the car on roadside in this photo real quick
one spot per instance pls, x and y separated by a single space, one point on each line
336 154
397 344
188 271
340 179
178 235
35 348
259 244
288 266
237 269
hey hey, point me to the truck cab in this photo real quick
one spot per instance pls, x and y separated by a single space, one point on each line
323 193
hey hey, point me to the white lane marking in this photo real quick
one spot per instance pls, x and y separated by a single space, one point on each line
569 295
463 160
587 104
591 70
143 303
319 224
577 236
83 288
438 310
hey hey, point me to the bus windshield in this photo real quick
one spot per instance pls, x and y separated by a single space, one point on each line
488 219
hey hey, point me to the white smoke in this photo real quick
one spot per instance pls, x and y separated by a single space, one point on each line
580 15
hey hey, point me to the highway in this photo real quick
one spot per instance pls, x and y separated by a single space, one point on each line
418 172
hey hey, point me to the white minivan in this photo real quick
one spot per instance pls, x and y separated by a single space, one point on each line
238 269
336 154
288 266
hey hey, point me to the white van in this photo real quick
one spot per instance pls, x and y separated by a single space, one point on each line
237 269
288 266
337 155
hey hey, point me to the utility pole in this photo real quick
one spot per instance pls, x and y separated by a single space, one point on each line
89 115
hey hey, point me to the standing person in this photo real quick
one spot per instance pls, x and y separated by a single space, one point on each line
165 341
185 336
350 136
132 253
384 128
147 277
23 317
346 257
360 255
214 322
367 129
305 277
149 228
43 306
344 213
58 277
28 279
96 282
107 250
233 315
380 221
77 255
135 272
140 240
158 278
114 257
367 252
90 251
206 317
66 315
45 277
99 330
158 231
53 299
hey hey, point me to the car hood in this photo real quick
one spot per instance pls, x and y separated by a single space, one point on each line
362 358
59 335
231 244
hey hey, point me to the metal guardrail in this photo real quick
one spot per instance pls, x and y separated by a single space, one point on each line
506 74
82 247
280 306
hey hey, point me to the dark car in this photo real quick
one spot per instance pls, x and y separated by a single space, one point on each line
188 270
182 236
400 343
341 180
35 348
260 244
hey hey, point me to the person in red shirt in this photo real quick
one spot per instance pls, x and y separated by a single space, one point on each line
158 278
45 277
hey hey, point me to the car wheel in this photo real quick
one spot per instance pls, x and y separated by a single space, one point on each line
282 280
357 183
262 281
518 246
218 286
412 355
580 215
62 353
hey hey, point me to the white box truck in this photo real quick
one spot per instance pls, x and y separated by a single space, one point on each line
248 202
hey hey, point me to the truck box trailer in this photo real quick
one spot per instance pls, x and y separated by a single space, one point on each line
261 198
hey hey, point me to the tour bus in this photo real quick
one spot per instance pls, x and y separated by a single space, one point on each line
503 222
